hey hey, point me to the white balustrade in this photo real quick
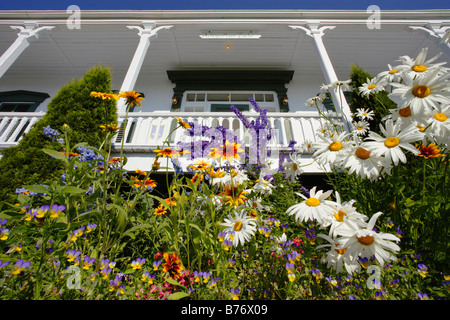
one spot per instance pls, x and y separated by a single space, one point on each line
147 130
13 125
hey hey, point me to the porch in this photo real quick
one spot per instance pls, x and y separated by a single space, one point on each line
145 131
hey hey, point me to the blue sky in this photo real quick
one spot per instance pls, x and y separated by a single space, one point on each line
222 5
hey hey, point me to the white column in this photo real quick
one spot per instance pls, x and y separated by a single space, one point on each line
129 81
27 33
339 100
437 32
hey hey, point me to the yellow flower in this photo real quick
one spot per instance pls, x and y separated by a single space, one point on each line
171 153
234 195
110 127
182 123
160 210
227 151
132 97
104 95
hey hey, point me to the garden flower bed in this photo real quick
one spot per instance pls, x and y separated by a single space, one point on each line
228 227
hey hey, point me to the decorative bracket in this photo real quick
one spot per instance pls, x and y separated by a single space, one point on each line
149 30
31 30
313 29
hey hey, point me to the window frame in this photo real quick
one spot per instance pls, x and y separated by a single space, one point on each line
208 106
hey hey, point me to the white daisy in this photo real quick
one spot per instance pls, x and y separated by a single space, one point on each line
315 101
418 67
364 114
331 149
337 258
366 243
292 168
371 86
360 128
391 75
234 177
263 186
439 122
363 162
343 85
423 93
306 146
314 208
243 227
403 116
344 213
390 145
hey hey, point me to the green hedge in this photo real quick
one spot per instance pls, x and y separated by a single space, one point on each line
26 164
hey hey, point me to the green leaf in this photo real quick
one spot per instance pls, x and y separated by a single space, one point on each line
178 295
71 189
55 154
36 188
174 282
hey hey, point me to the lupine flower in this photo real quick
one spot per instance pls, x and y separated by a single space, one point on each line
20 266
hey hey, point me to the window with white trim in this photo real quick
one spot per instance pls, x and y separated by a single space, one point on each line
220 101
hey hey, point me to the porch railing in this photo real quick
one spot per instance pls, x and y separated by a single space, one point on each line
146 130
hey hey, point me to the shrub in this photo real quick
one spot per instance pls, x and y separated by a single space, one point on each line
26 164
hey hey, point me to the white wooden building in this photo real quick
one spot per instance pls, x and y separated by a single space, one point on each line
195 64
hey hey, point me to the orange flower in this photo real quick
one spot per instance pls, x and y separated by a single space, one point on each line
227 151
430 151
234 195
182 123
110 127
104 95
172 266
132 97
160 210
171 153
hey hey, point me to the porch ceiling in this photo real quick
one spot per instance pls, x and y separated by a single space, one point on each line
64 53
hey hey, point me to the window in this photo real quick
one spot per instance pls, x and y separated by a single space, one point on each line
220 101
16 107
21 100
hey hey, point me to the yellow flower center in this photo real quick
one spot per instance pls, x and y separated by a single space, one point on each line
372 86
421 91
391 142
392 71
405 112
419 68
366 240
312 202
335 146
360 128
294 166
339 216
440 117
238 226
341 251
362 153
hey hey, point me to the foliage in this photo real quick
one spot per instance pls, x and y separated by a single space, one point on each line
72 105
224 229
